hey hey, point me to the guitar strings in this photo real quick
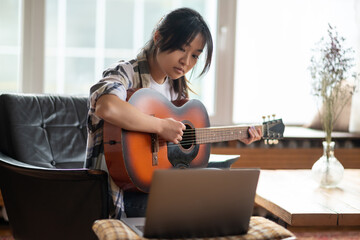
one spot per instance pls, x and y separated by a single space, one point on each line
192 139
200 135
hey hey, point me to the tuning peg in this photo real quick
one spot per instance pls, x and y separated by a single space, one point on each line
275 141
263 117
274 116
265 141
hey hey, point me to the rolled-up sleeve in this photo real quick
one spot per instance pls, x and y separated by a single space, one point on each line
116 80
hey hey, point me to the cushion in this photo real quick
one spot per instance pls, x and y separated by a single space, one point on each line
259 228
340 125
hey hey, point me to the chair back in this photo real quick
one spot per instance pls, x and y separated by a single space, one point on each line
44 130
47 192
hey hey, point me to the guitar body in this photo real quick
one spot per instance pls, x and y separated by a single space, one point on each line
132 157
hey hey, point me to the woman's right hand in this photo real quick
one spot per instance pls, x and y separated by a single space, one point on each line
171 130
123 114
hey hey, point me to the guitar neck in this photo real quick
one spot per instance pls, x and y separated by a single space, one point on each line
221 134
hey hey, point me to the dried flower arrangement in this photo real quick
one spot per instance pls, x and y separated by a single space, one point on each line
332 85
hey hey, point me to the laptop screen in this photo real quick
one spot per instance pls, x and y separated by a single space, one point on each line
200 202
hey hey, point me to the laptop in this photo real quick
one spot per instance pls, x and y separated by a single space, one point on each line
196 203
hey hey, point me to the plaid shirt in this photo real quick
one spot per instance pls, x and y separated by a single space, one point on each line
116 80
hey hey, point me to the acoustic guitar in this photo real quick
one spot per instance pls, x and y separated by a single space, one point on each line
132 157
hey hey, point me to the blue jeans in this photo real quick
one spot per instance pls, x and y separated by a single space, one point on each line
135 203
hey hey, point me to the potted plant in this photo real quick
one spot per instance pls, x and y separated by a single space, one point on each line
332 86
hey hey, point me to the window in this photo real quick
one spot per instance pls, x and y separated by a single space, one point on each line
84 37
273 50
267 73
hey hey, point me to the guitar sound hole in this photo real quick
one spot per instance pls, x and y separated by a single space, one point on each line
188 138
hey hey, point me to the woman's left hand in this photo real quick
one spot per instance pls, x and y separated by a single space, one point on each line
255 135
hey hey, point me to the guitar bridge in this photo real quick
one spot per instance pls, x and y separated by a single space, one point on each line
154 148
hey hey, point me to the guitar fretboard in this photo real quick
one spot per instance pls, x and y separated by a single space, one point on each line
221 134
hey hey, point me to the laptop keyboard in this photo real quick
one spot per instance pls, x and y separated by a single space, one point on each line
140 227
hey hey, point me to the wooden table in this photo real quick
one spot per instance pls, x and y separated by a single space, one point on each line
294 197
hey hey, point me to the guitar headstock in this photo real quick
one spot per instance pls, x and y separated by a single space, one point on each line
273 130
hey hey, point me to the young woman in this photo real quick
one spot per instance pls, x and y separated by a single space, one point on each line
174 49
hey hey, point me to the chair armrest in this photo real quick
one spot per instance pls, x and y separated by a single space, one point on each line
12 161
51 173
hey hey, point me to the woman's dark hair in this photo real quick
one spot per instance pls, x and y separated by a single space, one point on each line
177 29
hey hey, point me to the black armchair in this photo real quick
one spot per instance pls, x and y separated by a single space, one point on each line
47 192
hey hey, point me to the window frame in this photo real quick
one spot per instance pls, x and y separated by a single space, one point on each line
32 46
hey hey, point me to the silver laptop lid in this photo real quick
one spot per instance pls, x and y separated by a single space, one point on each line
200 202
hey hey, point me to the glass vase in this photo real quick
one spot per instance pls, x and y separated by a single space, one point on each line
328 171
